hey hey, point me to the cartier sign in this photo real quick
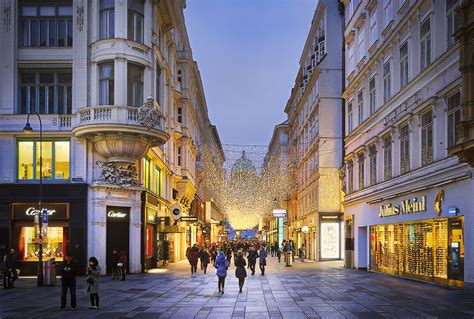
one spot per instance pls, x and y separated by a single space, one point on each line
115 213
29 210
407 206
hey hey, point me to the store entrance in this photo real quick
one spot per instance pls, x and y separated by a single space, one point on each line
118 235
456 251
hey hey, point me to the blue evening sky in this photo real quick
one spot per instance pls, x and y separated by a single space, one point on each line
248 53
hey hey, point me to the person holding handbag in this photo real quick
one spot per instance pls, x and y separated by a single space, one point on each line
122 264
92 282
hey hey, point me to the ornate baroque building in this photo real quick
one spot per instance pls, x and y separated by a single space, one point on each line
408 203
123 112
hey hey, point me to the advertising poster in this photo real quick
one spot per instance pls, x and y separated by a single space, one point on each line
330 244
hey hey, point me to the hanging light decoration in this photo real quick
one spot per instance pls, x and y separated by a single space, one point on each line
246 192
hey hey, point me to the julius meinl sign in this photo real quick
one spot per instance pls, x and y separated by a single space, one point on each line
406 207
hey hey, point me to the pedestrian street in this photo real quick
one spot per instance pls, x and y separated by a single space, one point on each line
306 290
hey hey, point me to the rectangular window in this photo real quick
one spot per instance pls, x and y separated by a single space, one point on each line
55 160
427 138
452 20
350 176
454 117
387 90
45 92
404 64
157 87
373 164
158 180
107 19
135 20
404 149
361 42
146 173
180 114
360 106
350 61
373 27
106 83
360 159
387 12
45 25
350 118
149 242
425 43
179 155
372 96
387 158
135 85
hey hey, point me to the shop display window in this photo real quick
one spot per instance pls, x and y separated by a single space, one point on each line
149 242
55 161
52 246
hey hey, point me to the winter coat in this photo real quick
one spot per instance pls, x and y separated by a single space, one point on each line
68 272
252 257
240 271
10 261
262 254
93 274
193 256
221 264
204 257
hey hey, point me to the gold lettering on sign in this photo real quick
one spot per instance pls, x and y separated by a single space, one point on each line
407 207
116 214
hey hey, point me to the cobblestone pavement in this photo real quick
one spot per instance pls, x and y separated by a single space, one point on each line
309 290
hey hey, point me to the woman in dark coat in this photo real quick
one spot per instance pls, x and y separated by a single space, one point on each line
204 259
240 271
193 258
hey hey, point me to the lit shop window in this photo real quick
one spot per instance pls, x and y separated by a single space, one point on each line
52 246
55 162
146 173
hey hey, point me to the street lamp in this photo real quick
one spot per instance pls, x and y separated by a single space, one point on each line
29 129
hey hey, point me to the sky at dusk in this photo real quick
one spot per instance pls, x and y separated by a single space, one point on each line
248 53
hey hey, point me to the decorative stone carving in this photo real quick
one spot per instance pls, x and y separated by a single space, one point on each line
116 174
7 15
148 115
80 16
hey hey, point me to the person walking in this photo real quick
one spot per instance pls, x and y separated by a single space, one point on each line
252 259
262 254
10 273
68 271
193 258
278 253
221 264
122 264
205 258
240 271
92 282
302 252
113 265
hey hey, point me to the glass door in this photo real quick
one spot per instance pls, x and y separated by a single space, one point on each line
456 249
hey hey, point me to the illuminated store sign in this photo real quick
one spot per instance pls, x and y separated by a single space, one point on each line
30 210
116 214
406 207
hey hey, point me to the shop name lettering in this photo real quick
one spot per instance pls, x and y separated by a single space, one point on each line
113 214
406 207
33 211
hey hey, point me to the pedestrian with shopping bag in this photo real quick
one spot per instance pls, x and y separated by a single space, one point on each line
92 282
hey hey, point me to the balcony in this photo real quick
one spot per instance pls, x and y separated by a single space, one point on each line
121 133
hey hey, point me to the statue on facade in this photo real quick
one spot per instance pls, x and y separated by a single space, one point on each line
115 174
149 115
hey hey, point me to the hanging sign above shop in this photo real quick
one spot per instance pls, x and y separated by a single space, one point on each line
29 210
189 219
305 229
406 207
176 211
279 213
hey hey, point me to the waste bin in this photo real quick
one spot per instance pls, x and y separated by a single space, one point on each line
289 260
49 272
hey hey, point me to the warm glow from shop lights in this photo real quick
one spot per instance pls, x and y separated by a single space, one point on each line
244 193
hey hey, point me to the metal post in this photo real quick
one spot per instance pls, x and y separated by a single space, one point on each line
40 279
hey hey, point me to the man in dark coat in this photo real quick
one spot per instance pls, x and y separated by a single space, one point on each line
193 258
205 259
9 269
252 259
68 271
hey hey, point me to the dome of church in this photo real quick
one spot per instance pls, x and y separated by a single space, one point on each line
243 165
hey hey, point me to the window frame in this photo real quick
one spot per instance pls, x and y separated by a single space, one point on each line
110 82
360 106
405 149
38 86
147 173
387 158
427 132
425 44
135 86
110 29
361 168
350 117
451 118
451 12
35 154
404 65
387 81
350 176
140 38
372 95
372 165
